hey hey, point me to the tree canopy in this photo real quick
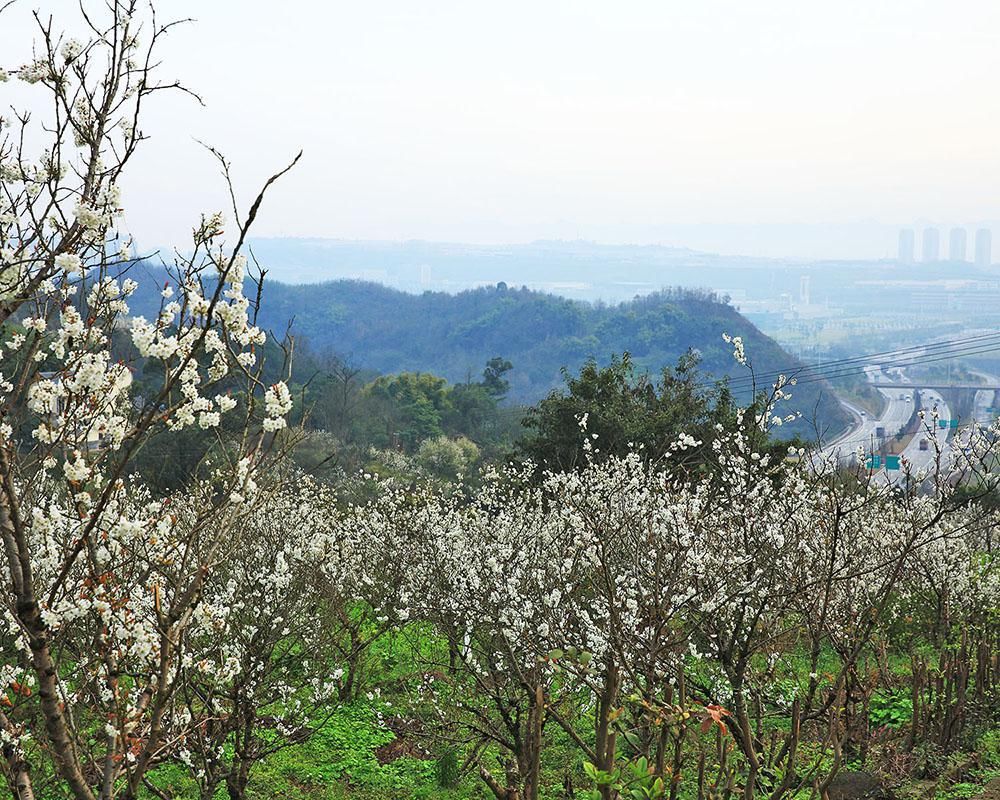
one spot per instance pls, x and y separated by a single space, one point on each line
620 408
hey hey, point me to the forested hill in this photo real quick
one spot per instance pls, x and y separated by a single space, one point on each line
453 335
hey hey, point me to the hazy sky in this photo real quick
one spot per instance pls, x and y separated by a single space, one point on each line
507 121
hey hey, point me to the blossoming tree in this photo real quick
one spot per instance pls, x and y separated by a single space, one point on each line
102 581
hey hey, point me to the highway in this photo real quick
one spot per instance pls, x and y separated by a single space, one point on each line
922 461
897 412
898 407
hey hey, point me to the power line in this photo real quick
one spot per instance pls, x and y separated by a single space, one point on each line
909 356
873 357
991 348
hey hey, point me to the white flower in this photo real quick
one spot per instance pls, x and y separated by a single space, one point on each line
76 470
277 403
208 419
34 72
738 351
69 263
89 217
71 50
271 424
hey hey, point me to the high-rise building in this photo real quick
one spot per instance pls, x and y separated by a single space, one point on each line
907 246
957 241
804 290
984 243
932 245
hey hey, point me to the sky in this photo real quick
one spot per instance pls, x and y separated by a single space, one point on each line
627 121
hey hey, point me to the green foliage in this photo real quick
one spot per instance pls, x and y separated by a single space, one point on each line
634 781
959 791
448 458
342 753
447 769
354 411
624 409
494 382
891 709
412 406
451 335
989 749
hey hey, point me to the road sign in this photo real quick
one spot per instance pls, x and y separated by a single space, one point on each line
892 462
948 423
873 462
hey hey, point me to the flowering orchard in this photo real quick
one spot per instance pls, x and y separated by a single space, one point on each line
714 633
729 632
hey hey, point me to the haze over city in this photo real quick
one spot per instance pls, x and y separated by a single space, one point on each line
777 129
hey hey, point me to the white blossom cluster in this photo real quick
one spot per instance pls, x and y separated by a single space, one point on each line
258 622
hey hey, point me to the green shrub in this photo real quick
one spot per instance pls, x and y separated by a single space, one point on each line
959 791
989 748
446 457
891 710
447 770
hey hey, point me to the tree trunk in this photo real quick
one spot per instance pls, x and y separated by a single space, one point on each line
237 779
63 750
508 792
604 740
532 757
20 773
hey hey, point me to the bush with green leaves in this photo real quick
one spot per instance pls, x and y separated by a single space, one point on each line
448 458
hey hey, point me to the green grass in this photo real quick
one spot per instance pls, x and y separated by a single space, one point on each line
340 760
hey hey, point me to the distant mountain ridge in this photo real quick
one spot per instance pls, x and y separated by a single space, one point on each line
583 270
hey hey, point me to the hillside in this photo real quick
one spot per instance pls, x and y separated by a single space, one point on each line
454 335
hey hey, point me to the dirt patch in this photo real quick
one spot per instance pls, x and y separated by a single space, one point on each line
991 791
405 745
857 786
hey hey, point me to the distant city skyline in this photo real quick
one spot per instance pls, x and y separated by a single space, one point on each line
958 238
778 128
931 249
